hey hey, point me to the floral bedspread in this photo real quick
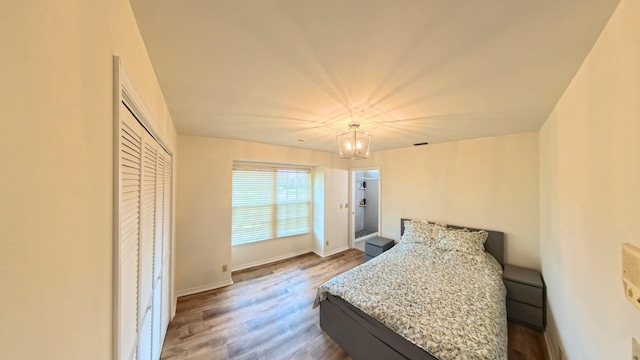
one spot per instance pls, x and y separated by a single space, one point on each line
451 304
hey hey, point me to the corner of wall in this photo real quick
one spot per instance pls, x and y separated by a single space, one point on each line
588 197
551 337
318 210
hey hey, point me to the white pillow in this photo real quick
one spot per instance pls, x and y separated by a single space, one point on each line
420 232
470 242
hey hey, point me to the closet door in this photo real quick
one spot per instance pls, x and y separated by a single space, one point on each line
166 242
156 346
142 221
147 239
130 171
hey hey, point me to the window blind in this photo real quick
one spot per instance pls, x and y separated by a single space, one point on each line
269 202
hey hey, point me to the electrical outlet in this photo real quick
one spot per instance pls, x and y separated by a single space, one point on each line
340 205
635 349
224 268
326 243
346 205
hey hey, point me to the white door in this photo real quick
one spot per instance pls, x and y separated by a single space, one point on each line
148 226
365 206
143 219
130 172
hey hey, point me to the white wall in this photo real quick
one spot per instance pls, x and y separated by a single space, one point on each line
489 183
590 198
318 210
56 134
203 239
263 252
336 218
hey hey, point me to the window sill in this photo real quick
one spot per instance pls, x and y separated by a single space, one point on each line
277 238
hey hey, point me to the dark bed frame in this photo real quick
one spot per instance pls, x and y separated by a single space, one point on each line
363 337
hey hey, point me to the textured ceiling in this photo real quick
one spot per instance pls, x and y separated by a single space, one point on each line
410 71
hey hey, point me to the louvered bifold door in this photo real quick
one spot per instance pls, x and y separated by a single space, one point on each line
130 159
156 343
166 243
142 220
145 268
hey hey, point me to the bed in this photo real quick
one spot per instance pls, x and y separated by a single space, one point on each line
393 308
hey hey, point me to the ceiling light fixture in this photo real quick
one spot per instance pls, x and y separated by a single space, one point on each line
354 143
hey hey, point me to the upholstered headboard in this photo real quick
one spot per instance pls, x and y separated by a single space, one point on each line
494 244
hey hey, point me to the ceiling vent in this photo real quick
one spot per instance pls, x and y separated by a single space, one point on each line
421 144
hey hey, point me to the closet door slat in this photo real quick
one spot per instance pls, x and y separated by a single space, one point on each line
129 217
159 229
156 343
166 243
156 336
145 268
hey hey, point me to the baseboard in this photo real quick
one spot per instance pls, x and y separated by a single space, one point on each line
270 260
207 287
340 249
547 340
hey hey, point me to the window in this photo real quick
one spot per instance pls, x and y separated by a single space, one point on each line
269 202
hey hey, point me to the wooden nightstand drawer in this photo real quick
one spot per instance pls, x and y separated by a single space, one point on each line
525 313
524 293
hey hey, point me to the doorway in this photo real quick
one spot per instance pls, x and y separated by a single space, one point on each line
365 214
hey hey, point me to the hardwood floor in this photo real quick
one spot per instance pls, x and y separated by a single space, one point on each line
526 343
267 314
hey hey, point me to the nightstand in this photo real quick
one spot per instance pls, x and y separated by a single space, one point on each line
525 296
375 246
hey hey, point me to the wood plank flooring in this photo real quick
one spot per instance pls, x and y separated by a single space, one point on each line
267 314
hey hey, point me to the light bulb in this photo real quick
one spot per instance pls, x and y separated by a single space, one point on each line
349 145
358 145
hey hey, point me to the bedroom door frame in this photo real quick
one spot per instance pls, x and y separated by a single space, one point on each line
354 203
